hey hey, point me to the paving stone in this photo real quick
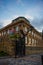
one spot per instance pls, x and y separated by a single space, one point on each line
28 60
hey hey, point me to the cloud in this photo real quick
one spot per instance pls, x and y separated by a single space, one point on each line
25 15
29 17
35 10
20 2
1 24
4 23
38 23
7 21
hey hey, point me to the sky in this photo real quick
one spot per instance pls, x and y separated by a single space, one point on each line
30 9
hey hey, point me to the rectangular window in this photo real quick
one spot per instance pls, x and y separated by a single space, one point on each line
0 40
4 32
17 28
29 31
35 42
8 31
32 33
32 42
0 34
26 40
29 41
25 29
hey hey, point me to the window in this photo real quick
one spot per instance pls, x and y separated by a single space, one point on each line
0 40
32 33
8 31
26 40
11 31
35 42
29 41
32 41
25 29
4 32
17 28
0 34
29 31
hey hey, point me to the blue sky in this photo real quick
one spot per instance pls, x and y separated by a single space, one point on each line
31 9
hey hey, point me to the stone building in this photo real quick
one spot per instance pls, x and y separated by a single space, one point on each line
33 40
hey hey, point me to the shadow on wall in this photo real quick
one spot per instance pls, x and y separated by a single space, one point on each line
42 59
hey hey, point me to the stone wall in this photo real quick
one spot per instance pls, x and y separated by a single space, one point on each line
34 50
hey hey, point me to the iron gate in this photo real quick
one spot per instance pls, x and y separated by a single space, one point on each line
20 47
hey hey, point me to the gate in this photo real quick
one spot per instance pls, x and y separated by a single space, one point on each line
20 47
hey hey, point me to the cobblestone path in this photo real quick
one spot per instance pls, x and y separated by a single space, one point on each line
27 60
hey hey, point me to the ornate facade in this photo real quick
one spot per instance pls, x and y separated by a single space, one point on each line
33 40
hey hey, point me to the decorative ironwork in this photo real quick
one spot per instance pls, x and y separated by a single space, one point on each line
20 44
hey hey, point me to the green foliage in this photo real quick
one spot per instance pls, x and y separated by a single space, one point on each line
15 36
2 53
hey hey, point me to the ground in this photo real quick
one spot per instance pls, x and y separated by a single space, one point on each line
27 60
